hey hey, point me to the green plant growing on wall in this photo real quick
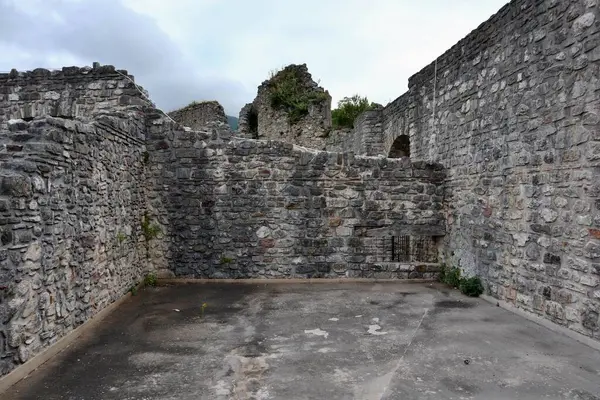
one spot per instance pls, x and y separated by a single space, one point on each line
288 93
121 237
149 230
145 157
133 290
226 260
348 109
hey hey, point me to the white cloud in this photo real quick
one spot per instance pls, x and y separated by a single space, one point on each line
184 50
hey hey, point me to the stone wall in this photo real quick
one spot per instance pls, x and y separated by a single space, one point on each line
200 114
512 111
365 138
249 208
277 122
72 92
72 195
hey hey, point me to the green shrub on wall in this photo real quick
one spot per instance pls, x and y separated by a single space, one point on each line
348 109
288 93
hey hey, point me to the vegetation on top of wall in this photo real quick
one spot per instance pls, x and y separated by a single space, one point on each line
468 286
348 109
288 92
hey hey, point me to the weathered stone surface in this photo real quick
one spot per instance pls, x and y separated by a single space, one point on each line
503 162
199 115
512 112
71 203
263 119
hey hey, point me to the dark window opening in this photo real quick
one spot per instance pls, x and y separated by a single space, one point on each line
400 147
253 123
409 249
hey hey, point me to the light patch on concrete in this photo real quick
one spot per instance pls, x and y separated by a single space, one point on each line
317 332
222 389
375 330
326 350
337 319
357 316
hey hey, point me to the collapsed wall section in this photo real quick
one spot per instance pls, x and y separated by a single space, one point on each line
512 111
248 208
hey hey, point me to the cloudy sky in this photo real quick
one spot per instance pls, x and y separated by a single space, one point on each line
184 50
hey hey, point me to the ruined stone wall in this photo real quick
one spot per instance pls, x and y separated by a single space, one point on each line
72 92
276 123
512 111
198 115
72 195
248 208
364 139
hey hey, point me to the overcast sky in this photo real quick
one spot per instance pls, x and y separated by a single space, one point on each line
184 50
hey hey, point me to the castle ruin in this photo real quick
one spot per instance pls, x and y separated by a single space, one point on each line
490 162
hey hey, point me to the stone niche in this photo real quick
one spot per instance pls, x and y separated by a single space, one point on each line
402 244
290 107
200 114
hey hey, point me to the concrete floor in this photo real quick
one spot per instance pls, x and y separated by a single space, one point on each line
315 341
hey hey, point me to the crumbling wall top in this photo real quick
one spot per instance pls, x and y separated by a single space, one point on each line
290 106
70 92
200 114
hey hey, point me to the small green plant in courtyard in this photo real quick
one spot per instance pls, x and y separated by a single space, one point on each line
202 308
450 276
471 286
133 290
468 286
150 279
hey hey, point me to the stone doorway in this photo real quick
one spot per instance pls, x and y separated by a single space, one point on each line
400 148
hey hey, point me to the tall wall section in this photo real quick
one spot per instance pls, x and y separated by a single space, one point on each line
513 111
72 196
248 208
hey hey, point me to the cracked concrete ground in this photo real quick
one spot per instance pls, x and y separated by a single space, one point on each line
315 341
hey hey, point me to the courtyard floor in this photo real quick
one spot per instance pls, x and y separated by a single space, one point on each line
315 341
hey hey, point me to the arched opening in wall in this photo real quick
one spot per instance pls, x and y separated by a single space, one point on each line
400 147
253 123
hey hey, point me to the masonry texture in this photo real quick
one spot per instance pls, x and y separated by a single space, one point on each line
498 152
245 208
262 119
512 112
200 114
71 202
